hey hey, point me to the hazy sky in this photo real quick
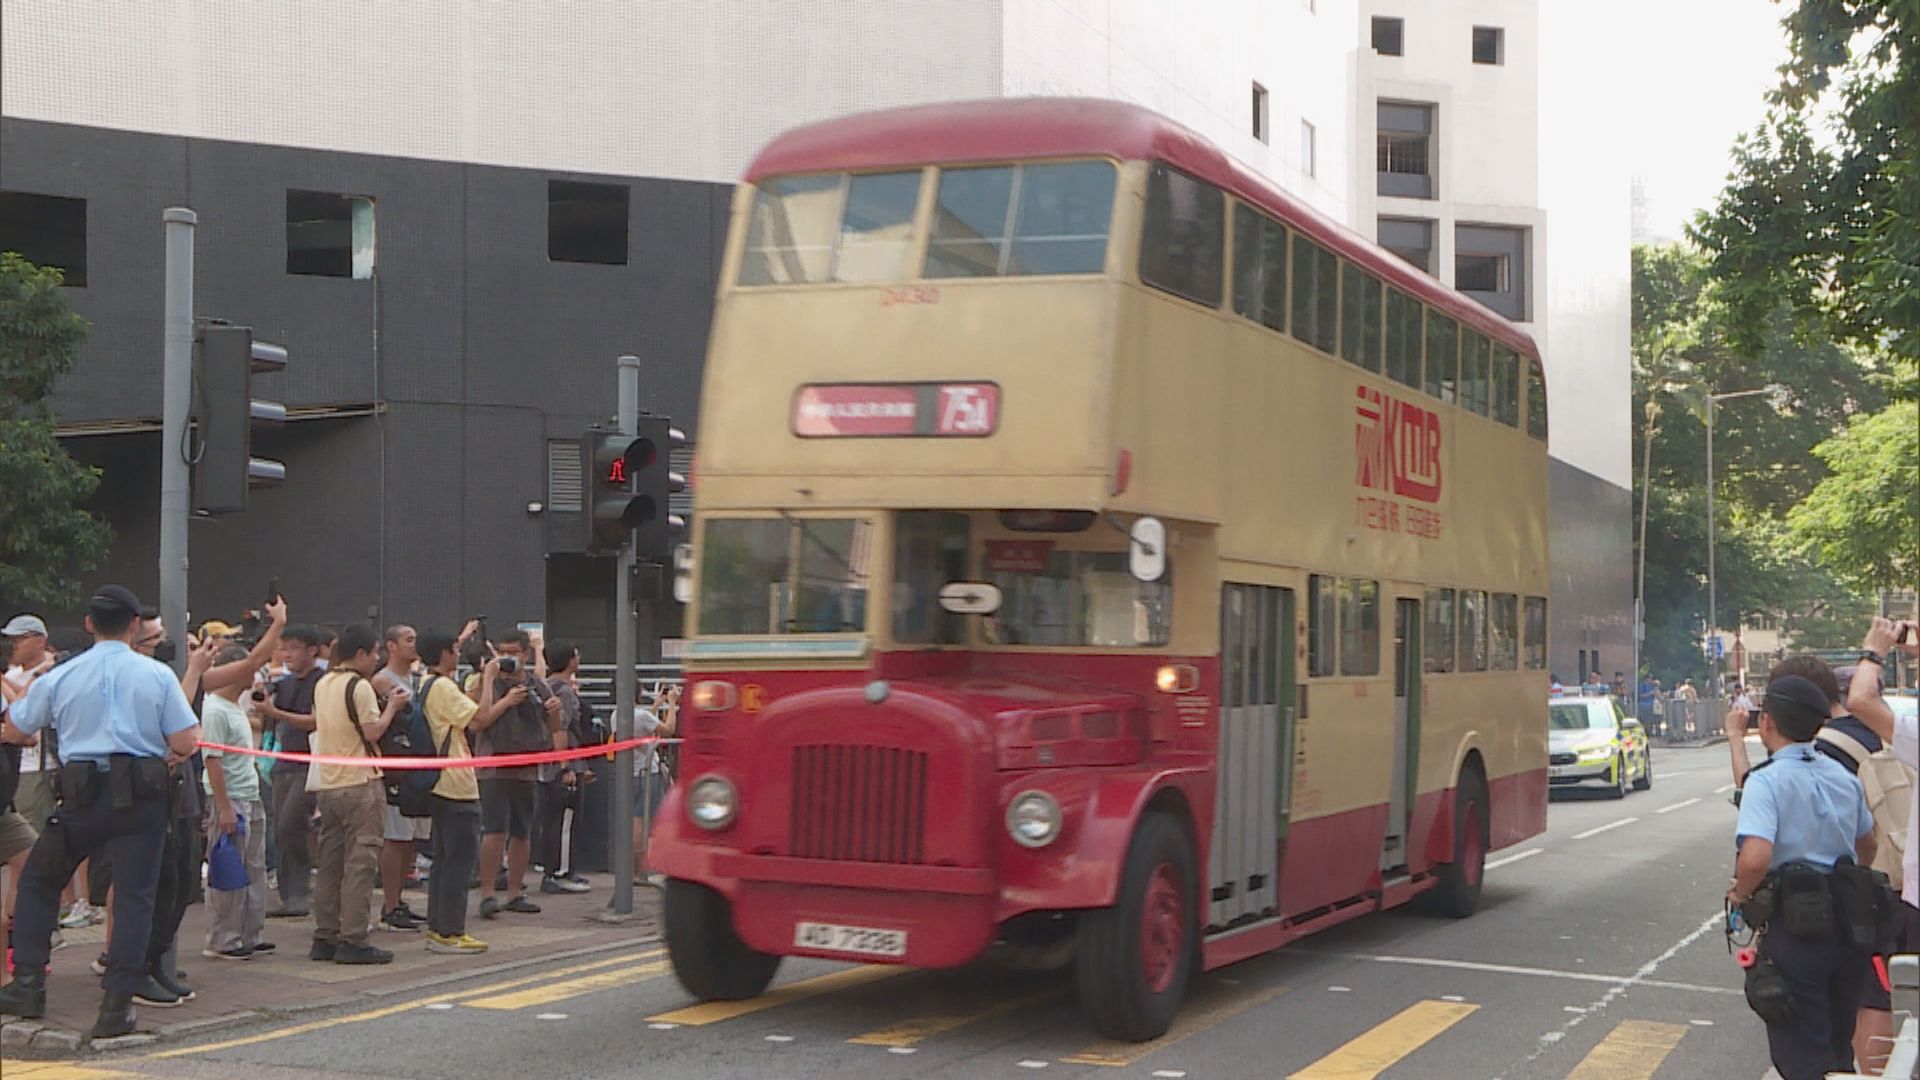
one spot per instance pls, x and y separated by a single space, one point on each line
1692 76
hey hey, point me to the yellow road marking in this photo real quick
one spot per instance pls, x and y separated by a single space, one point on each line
911 1031
54 1070
395 1010
1632 1051
1379 1049
713 1012
1195 1017
560 991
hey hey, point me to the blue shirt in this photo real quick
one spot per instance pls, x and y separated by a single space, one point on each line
1808 805
108 700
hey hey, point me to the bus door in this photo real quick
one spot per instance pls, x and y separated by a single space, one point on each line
1253 794
1406 730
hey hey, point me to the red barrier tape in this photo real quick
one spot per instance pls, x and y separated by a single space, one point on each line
496 761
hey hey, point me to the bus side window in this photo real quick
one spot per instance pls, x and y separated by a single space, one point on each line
791 231
1506 387
1535 641
1320 624
1403 338
1259 268
1437 637
1536 401
1316 299
1183 243
1359 317
1473 630
1503 632
1443 353
1474 392
1359 626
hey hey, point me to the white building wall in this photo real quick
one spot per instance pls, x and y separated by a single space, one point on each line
680 89
1196 61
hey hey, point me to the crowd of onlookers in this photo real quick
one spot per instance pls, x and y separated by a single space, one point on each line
262 838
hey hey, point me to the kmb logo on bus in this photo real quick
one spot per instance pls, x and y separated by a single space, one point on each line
1396 447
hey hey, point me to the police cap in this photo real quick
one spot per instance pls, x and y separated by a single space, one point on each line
112 598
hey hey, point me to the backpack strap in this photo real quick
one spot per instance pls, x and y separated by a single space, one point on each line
353 715
426 692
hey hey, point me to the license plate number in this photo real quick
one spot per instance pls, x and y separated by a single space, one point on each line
861 940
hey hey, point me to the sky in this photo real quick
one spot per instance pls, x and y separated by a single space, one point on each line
1694 72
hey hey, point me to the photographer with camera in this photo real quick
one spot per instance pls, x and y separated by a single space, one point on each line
1803 826
1902 735
531 716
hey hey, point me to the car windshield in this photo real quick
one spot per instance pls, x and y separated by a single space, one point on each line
1578 717
785 575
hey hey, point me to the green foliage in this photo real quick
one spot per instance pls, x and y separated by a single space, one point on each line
46 539
1821 214
1863 520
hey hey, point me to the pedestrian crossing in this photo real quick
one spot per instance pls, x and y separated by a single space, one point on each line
1634 1049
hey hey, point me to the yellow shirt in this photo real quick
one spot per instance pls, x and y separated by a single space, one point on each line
334 732
448 713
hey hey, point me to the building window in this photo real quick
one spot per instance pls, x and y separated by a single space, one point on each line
587 223
1259 112
1307 149
1489 264
46 230
329 235
1404 149
1387 35
565 476
1409 238
1489 45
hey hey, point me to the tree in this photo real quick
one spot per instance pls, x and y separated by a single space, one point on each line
1863 521
46 538
1821 215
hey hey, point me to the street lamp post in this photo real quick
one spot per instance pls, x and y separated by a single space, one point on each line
1640 573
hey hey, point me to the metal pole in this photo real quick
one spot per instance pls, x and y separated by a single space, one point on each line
176 402
624 690
1640 574
1713 610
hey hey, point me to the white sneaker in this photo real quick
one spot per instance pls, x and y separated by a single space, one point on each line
79 915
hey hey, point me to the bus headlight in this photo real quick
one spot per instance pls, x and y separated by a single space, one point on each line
711 803
1177 679
1033 819
712 695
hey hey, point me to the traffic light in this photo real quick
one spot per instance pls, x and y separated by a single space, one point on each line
609 460
225 360
654 485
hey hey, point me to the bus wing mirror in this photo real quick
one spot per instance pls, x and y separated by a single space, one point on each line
1147 553
969 598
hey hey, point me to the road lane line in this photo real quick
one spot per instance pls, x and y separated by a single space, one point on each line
1512 969
58 1070
713 1012
1723 789
1634 1050
1204 1012
571 988
1379 1049
1509 860
1596 831
1677 806
394 1010
911 1031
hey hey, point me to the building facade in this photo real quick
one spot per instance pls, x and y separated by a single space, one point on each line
455 215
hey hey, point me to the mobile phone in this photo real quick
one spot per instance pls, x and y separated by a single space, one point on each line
1906 631
273 590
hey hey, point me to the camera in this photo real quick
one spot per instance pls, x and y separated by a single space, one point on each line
259 695
509 665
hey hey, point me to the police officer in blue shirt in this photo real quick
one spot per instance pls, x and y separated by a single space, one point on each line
119 717
1803 812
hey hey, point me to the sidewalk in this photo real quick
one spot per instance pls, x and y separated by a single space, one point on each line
285 982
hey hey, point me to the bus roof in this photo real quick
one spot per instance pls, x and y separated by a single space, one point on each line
1021 128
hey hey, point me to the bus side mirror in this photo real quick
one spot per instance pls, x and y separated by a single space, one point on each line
1147 552
969 598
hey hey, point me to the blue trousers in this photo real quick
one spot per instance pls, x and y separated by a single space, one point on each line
1826 979
132 840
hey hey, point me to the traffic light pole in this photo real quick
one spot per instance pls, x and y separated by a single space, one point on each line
176 473
624 686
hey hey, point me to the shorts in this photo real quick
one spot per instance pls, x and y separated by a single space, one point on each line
16 835
506 806
649 788
401 829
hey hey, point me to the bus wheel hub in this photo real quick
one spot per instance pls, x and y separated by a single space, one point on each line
1162 919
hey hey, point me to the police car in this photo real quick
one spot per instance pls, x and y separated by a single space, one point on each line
1591 743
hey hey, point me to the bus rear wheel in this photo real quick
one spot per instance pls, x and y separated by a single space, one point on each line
709 959
1137 957
1458 894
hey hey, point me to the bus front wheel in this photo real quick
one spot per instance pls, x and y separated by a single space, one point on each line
709 959
1458 894
1136 957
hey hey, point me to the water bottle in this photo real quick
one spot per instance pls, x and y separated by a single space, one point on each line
1735 922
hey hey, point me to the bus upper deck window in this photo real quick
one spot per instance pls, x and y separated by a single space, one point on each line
1021 220
790 235
876 231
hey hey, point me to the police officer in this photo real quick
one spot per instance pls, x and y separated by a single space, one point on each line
119 717
1802 811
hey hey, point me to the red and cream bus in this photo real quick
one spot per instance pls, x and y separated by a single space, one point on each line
1099 554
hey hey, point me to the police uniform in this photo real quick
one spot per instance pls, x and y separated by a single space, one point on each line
113 710
1813 812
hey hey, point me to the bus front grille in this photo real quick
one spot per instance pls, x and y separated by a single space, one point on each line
859 804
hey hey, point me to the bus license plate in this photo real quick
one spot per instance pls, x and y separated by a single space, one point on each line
863 940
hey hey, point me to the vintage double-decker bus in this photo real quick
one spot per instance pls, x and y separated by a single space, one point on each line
1099 554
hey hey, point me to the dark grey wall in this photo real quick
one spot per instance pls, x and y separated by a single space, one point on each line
476 347
1590 525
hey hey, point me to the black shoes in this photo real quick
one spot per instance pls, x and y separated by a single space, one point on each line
360 954
116 1016
26 996
169 984
323 951
150 992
